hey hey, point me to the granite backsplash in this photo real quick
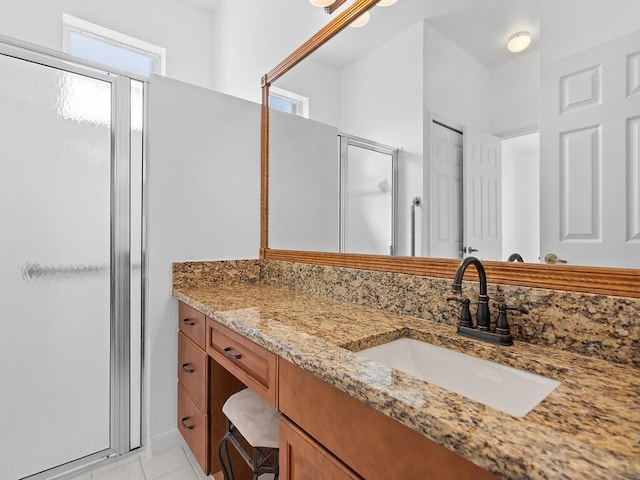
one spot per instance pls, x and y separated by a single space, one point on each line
599 326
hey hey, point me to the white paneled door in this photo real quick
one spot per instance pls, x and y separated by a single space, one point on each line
590 156
482 195
446 232
64 238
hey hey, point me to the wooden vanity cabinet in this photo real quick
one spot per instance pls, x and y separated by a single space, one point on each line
207 378
302 458
367 441
325 434
193 384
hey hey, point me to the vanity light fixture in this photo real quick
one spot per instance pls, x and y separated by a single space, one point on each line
361 21
386 3
518 42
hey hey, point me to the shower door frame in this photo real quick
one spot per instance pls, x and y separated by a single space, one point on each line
120 237
347 141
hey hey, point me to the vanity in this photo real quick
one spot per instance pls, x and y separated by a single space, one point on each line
346 416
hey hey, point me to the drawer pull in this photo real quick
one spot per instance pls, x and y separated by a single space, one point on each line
188 322
188 427
186 368
233 356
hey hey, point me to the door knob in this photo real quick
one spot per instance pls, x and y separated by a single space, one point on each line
552 259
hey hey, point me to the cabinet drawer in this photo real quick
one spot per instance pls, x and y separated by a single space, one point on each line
193 424
253 365
192 324
301 458
193 370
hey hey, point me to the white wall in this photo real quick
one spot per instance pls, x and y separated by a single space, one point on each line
456 85
204 187
515 95
249 42
570 26
521 197
381 100
185 30
319 83
304 184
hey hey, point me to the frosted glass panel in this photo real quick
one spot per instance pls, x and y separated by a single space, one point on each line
55 161
369 202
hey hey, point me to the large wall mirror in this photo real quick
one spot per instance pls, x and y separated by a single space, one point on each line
459 146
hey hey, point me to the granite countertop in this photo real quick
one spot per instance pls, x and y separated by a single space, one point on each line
588 427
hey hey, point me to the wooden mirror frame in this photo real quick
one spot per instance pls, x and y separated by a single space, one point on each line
598 280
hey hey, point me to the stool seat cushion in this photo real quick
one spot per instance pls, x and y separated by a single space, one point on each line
255 419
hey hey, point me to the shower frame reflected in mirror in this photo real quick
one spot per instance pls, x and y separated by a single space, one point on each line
368 196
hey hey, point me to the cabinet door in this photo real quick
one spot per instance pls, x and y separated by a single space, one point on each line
193 424
303 459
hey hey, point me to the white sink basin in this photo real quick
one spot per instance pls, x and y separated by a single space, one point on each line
504 388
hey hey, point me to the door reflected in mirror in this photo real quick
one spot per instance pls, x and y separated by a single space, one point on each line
513 155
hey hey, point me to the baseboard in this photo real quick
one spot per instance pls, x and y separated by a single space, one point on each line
165 442
170 440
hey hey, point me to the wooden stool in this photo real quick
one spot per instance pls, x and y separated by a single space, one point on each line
250 418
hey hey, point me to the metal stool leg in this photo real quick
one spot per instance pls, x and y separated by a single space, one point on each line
225 463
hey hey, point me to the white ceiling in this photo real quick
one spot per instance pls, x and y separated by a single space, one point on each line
483 31
481 27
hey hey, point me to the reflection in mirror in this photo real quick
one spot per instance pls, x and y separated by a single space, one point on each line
532 153
368 196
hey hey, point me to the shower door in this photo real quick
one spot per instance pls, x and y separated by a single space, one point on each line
368 197
65 265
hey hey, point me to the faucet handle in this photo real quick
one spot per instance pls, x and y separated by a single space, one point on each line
465 313
502 324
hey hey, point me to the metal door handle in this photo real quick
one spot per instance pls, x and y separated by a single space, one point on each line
416 202
188 427
233 356
188 322
552 259
185 367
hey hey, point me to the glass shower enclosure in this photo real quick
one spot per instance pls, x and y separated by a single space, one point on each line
71 173
368 196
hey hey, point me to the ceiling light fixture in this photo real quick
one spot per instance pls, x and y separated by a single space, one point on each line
518 42
386 3
361 21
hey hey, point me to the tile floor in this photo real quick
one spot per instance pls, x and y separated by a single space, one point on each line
170 465
174 464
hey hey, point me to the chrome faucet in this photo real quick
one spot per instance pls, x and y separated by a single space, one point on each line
501 335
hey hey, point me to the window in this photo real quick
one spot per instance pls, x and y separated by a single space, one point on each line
98 44
289 102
